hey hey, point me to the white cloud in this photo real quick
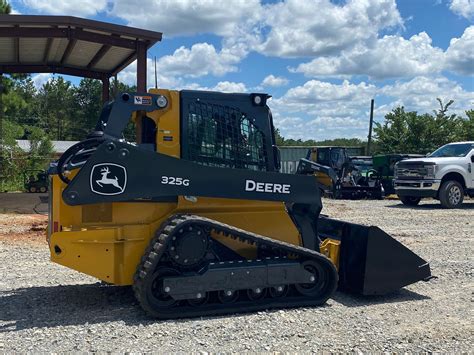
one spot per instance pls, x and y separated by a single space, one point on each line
129 76
221 86
228 86
291 28
464 8
315 91
308 28
274 81
187 17
390 56
61 7
40 79
321 127
420 93
460 54
201 59
320 110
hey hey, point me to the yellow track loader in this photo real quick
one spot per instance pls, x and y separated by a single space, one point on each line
198 219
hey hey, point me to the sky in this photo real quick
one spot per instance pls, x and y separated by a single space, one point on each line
322 61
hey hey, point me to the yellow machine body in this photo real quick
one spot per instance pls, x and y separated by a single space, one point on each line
107 240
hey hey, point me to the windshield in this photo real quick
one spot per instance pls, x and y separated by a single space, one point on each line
362 165
452 150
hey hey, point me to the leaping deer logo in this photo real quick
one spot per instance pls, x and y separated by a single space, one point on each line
108 181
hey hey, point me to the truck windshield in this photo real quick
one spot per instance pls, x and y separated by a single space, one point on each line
452 150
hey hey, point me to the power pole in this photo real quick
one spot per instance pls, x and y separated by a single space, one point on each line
369 140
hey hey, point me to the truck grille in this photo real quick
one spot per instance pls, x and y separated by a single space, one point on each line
412 172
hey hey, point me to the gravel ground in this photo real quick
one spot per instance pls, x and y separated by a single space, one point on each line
45 307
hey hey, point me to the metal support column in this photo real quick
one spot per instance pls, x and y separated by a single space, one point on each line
141 83
105 89
1 126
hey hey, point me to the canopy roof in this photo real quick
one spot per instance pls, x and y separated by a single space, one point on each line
70 45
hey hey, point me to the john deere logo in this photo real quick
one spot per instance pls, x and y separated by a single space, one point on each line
108 179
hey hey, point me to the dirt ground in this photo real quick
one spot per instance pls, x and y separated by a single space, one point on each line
23 228
48 308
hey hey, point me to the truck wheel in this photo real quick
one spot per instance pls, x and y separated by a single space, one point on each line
32 189
43 189
451 194
410 200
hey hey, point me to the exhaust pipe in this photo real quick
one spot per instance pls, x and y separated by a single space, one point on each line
371 262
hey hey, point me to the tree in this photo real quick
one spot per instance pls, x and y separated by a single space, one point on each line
409 132
342 142
5 7
41 149
9 167
279 139
466 131
88 97
57 110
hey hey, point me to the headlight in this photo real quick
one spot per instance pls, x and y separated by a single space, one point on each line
431 171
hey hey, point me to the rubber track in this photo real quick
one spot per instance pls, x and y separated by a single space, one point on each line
158 245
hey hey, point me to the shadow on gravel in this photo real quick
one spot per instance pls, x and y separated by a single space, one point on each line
52 306
431 206
402 295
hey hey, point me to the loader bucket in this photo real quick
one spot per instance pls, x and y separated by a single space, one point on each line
371 262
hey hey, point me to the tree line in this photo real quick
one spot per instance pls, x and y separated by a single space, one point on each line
58 110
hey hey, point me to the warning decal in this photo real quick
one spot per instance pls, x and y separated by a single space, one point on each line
143 100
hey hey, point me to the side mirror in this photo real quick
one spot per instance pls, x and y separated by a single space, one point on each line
472 158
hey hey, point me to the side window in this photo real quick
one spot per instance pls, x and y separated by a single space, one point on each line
322 159
225 137
253 153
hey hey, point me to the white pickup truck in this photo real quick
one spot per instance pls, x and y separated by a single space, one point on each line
447 174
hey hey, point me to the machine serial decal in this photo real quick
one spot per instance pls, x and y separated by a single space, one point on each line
108 179
171 180
268 187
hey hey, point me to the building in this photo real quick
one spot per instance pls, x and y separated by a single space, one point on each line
59 147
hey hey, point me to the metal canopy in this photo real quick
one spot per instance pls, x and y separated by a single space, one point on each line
72 46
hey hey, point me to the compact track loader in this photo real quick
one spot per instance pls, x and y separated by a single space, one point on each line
197 218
